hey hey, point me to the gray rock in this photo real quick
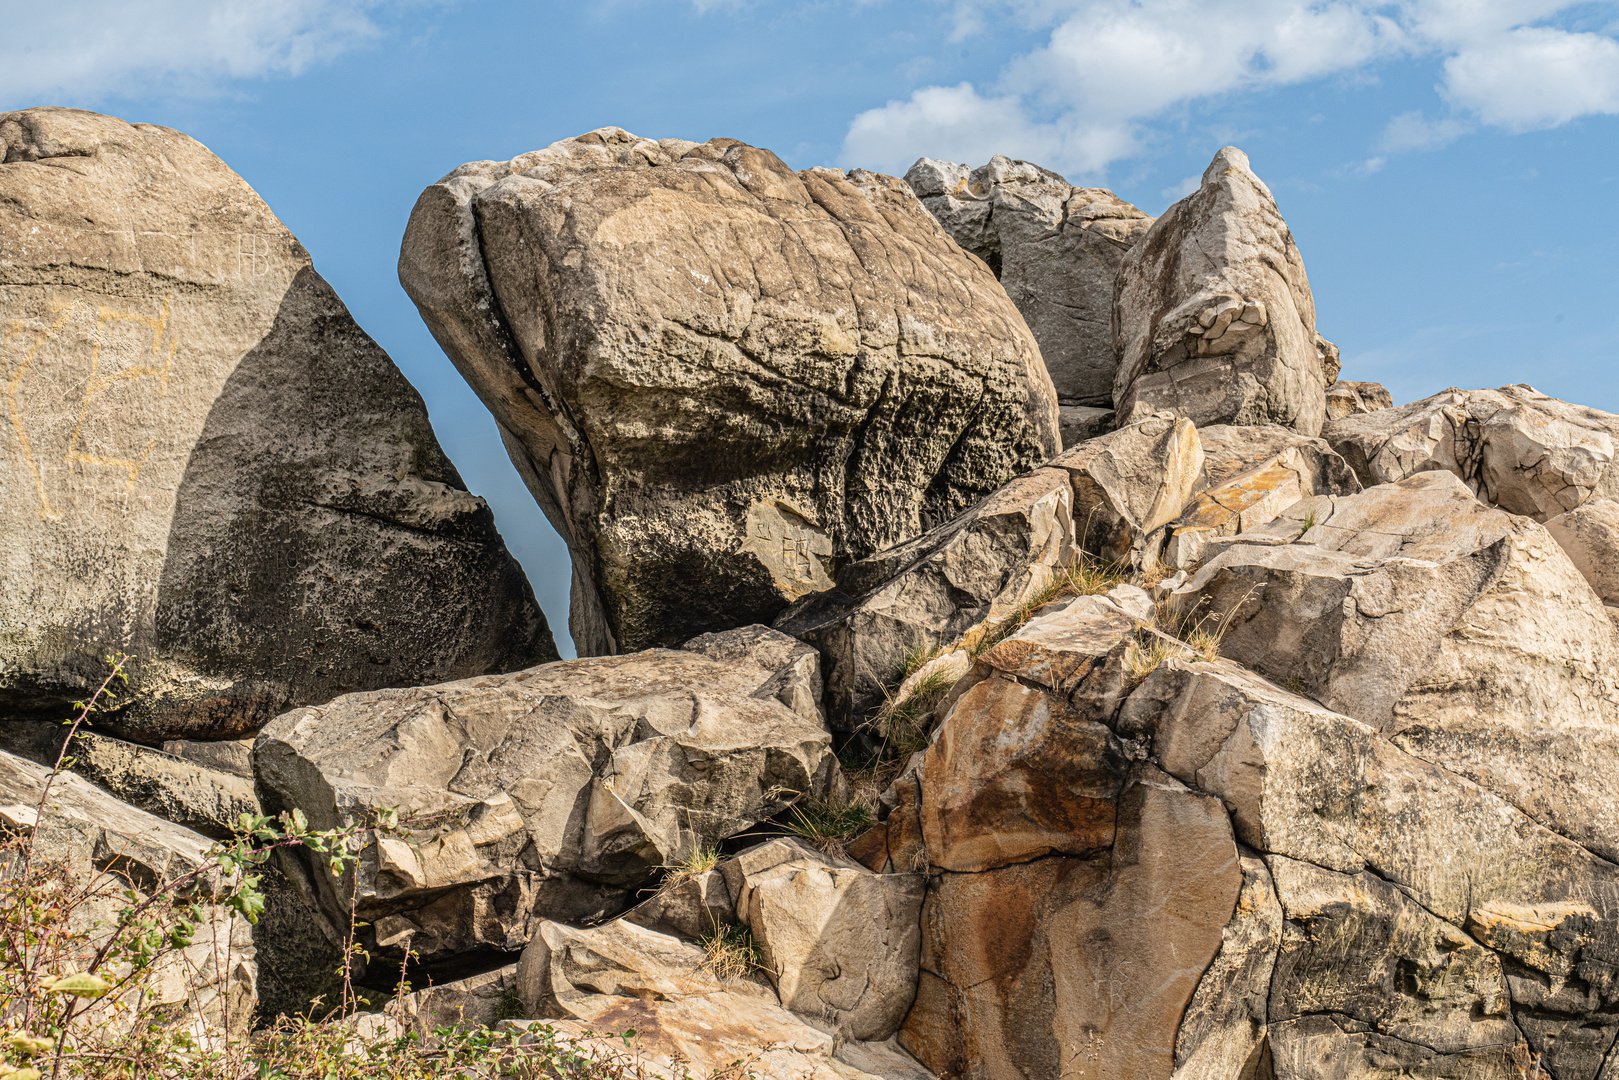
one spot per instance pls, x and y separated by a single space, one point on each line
787 670
209 466
839 942
1131 483
945 589
1056 250
185 792
722 379
1076 423
1348 398
234 756
549 793
692 906
1213 316
1514 447
1461 632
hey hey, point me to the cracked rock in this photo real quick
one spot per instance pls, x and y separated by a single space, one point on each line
722 379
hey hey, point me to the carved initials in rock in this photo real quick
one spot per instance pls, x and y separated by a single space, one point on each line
790 546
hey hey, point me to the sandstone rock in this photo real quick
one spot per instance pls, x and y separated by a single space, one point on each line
1076 423
1252 474
560 789
1071 967
476 1001
1056 250
720 378
693 906
947 588
1515 447
1461 632
97 844
1348 398
1589 536
233 756
207 464
1213 316
185 792
1130 483
785 670
618 977
839 942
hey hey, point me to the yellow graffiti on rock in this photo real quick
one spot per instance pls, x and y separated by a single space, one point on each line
98 384
20 328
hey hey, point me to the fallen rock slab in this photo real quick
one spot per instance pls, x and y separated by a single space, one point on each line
722 379
1056 250
1589 535
209 465
549 793
1130 483
1213 317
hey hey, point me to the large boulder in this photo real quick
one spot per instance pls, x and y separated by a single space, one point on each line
1462 633
1213 316
839 942
205 463
1589 535
1349 398
1514 447
722 379
1056 249
555 792
96 848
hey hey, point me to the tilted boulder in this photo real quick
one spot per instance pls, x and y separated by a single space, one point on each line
554 792
722 379
1589 535
1250 475
99 847
1076 423
619 977
1130 483
1213 317
839 943
1462 633
1514 447
1349 398
1056 249
206 464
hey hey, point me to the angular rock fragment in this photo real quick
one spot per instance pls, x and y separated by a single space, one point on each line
839 942
1076 423
1252 474
693 906
619 977
720 378
206 464
1589 535
1131 482
1349 398
553 792
1514 447
1056 250
1461 632
1213 317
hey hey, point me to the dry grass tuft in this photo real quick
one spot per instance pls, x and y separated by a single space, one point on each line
828 826
731 953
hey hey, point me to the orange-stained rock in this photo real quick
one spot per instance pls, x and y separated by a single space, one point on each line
1015 774
895 846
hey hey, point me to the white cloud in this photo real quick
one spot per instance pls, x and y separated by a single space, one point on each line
1111 66
86 50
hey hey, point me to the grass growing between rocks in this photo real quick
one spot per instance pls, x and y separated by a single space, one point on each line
1088 576
698 862
732 953
828 825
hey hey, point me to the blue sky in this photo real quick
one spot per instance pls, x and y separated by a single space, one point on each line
1450 168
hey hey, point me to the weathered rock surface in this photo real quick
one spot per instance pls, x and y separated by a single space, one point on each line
692 906
839 942
1056 250
1349 398
560 789
1589 535
947 587
206 464
720 378
1514 447
1461 632
1250 475
1213 317
186 792
619 977
1130 483
84 837
1076 423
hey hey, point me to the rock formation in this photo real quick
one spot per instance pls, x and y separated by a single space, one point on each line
555 792
1056 250
205 463
722 379
1213 316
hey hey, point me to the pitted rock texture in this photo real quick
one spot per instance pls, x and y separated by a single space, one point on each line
1514 447
555 792
205 463
722 379
1056 249
1213 317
